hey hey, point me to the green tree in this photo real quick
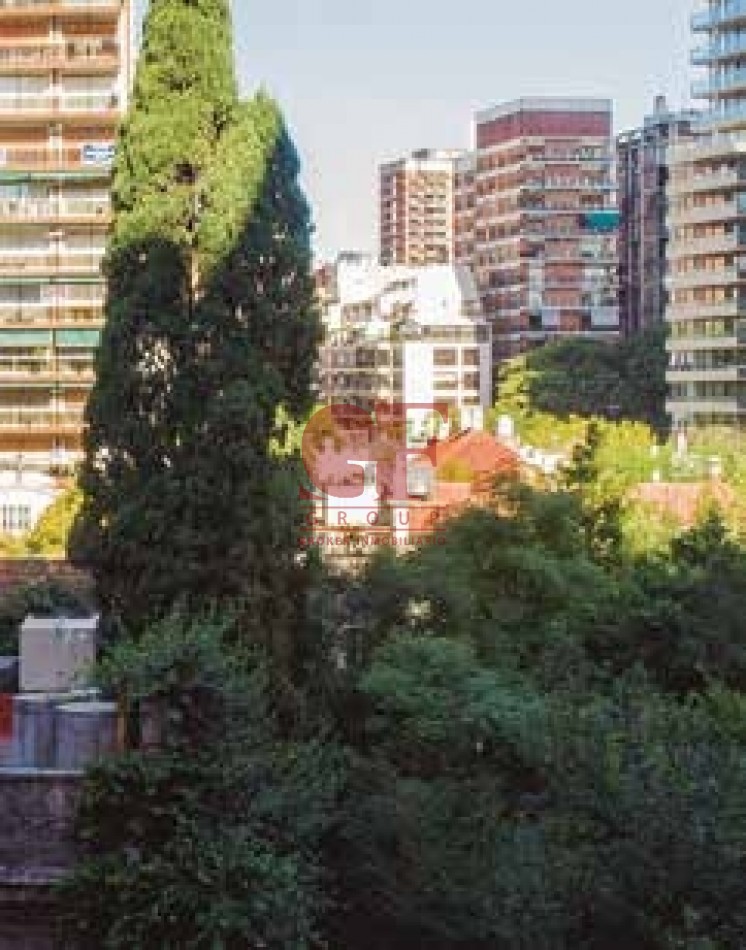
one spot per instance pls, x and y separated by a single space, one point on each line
49 537
579 377
211 330
212 837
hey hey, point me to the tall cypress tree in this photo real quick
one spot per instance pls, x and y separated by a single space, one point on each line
211 327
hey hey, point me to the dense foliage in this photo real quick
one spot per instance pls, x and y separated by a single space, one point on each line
513 739
211 839
581 377
550 742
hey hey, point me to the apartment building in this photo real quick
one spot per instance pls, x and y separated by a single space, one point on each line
411 335
464 209
540 204
417 207
707 220
65 71
643 171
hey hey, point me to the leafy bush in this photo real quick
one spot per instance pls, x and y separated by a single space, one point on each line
212 838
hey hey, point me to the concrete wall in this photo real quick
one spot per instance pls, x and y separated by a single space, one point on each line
37 810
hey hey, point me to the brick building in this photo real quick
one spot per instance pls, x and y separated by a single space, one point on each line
416 209
537 221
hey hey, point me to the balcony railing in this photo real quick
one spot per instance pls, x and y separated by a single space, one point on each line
727 111
80 370
730 11
40 419
711 181
706 277
728 46
18 105
64 5
729 80
704 310
45 210
712 244
69 158
723 211
60 55
44 263
13 318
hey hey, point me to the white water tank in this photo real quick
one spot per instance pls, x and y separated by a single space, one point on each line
56 654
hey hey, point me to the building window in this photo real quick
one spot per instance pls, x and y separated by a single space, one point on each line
470 358
15 518
471 381
445 357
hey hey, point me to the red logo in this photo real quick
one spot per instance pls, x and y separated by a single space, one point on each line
347 451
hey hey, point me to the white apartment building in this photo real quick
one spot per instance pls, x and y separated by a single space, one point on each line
707 223
411 335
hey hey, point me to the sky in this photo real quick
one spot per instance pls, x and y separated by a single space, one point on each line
364 82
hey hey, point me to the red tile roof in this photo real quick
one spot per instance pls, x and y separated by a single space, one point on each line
684 501
480 451
481 455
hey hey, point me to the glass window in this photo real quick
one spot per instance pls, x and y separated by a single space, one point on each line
443 357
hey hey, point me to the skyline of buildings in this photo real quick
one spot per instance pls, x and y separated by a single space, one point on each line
65 73
529 208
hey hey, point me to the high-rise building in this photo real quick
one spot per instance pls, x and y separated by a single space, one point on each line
464 209
405 335
544 221
707 253
416 208
643 172
65 70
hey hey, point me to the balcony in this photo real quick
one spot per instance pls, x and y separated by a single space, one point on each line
28 109
76 57
50 263
691 407
714 181
108 10
42 420
715 213
16 316
686 344
678 312
714 146
37 371
727 114
695 374
717 244
730 13
730 46
572 184
730 82
49 212
94 158
711 277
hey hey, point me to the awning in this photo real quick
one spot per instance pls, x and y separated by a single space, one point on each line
74 338
25 338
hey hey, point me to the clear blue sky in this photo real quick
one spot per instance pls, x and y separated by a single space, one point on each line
362 81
